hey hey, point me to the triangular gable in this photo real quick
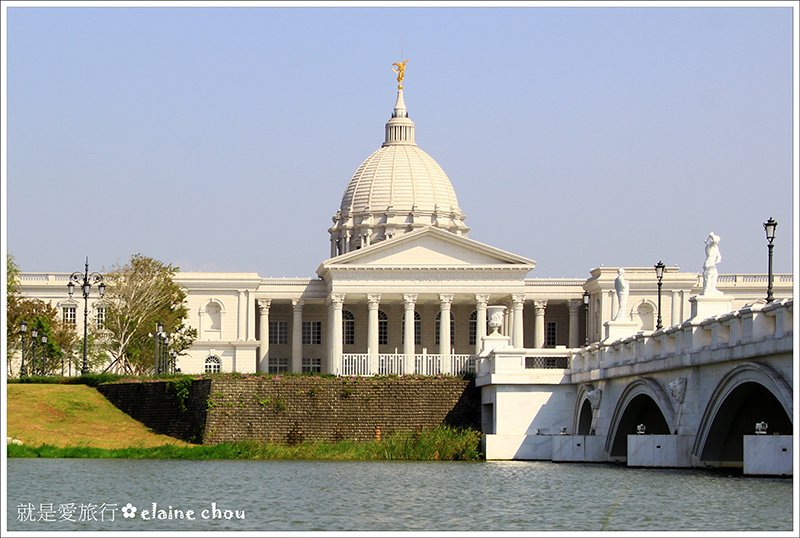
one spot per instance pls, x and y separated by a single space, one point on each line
428 247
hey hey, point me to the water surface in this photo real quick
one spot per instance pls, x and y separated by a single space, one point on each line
388 496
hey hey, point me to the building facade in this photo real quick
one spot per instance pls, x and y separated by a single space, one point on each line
405 290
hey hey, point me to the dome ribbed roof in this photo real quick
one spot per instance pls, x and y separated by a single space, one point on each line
402 177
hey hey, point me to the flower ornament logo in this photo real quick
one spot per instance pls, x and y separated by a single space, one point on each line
128 511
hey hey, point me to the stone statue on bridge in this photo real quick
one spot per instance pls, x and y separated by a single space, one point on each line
713 257
622 287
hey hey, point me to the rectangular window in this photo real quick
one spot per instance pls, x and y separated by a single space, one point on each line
550 333
383 332
349 332
100 317
278 366
278 332
69 315
312 332
312 366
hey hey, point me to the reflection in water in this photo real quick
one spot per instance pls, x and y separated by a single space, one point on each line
387 496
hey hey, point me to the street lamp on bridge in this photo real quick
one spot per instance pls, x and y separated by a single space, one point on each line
659 267
586 315
769 228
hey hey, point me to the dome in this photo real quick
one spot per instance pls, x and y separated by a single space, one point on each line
402 177
397 189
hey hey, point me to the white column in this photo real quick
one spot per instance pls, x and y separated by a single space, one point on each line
445 301
575 307
263 331
409 300
251 318
333 246
330 366
538 323
200 312
337 299
481 300
373 302
242 318
518 303
676 308
297 336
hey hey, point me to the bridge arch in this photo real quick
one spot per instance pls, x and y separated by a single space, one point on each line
642 402
582 414
749 393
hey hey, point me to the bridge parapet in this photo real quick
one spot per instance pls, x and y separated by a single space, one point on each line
521 366
713 339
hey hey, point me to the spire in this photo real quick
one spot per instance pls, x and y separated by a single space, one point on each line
399 128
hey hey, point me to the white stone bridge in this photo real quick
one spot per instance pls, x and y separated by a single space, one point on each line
696 390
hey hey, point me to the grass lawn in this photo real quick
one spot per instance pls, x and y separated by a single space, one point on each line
75 416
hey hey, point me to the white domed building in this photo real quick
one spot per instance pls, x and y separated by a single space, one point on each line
400 262
396 190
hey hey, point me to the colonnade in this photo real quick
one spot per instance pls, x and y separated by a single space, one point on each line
513 326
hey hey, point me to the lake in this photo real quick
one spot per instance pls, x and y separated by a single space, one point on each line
95 494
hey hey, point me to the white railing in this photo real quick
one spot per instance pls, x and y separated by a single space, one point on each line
426 364
43 277
747 325
744 280
462 364
358 364
355 364
391 364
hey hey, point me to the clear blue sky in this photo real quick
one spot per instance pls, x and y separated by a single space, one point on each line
222 139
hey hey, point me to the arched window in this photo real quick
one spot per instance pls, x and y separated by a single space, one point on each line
213 364
383 328
417 330
437 339
473 328
348 328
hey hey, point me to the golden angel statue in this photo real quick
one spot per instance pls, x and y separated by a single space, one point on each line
401 72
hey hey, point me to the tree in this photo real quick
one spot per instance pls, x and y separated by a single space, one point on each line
140 294
62 340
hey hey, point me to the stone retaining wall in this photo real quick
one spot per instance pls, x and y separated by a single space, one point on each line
291 409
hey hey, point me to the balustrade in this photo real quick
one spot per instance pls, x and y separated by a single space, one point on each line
751 324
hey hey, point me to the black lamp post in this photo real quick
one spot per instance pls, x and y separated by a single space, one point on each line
163 355
43 360
769 228
156 351
586 315
34 338
23 330
659 275
86 280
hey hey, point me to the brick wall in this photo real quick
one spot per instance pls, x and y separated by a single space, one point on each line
288 409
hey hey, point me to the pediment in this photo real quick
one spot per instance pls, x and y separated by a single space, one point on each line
428 247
